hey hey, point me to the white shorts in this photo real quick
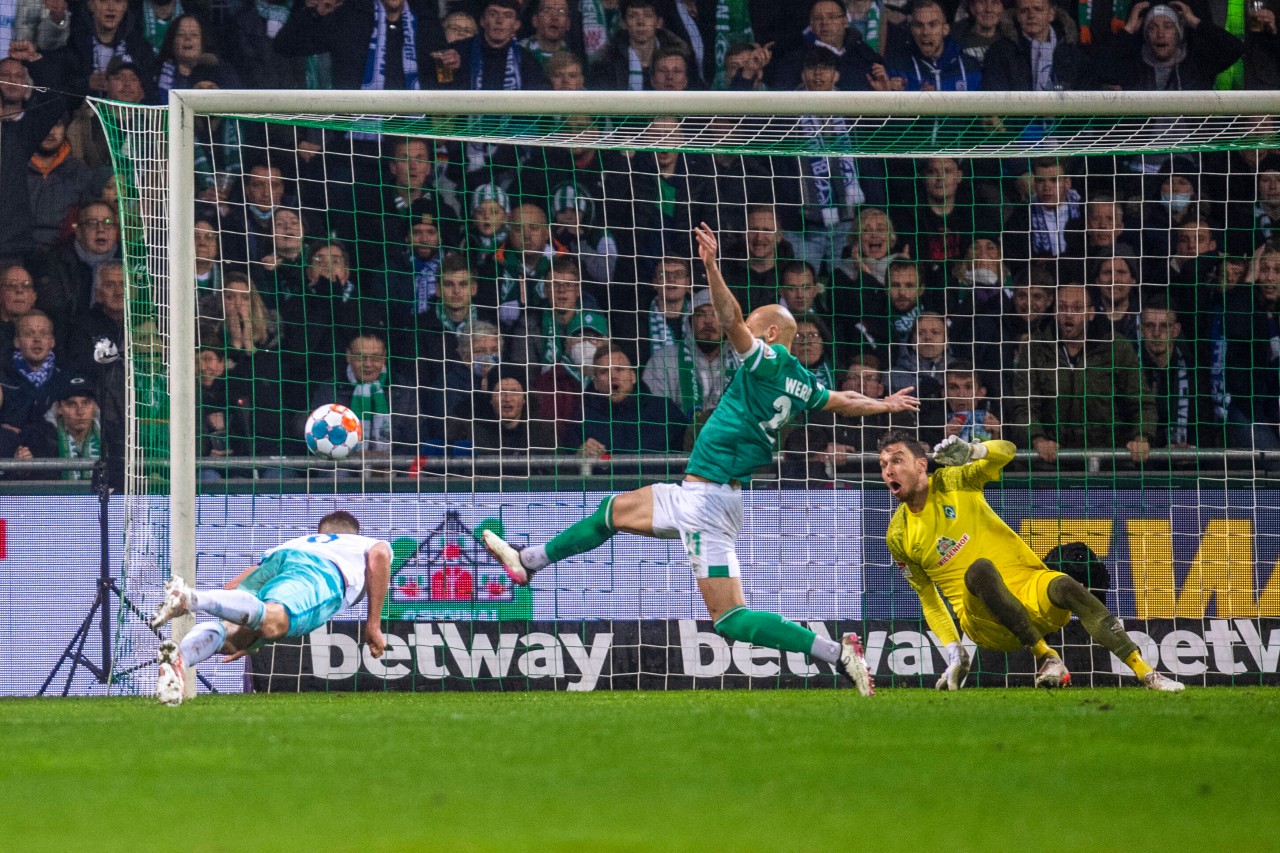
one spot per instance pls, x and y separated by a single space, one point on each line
707 518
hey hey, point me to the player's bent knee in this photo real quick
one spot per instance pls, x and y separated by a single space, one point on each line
980 575
1068 593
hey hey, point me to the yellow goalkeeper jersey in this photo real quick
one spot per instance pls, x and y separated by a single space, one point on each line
934 547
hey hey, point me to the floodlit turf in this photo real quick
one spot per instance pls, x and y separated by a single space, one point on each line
997 770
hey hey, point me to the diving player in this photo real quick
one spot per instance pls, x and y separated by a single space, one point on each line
705 510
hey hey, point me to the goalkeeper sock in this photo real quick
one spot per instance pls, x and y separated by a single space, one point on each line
234 605
762 628
203 642
586 535
1041 649
1105 629
1139 666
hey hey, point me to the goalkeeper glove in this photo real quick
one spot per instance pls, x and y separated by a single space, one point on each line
957 668
953 450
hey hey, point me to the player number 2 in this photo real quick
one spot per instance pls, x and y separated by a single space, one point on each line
782 411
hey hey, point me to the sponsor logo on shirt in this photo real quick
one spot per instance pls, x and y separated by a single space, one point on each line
948 548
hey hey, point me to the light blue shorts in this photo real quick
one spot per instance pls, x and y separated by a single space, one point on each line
308 586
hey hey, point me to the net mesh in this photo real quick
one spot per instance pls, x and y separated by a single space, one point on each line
386 262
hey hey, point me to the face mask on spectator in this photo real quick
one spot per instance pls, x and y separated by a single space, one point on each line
481 363
1177 202
582 353
980 276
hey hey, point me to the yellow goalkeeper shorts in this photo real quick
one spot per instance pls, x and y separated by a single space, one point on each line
1029 586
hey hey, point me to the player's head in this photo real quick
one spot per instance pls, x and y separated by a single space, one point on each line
773 324
339 521
904 465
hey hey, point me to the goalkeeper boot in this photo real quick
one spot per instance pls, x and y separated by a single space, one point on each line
171 682
1155 681
1053 673
509 556
177 599
853 665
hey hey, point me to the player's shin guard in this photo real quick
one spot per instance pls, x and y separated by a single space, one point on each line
983 580
234 605
1104 627
203 642
762 628
586 535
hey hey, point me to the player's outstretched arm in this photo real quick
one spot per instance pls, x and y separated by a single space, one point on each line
851 404
722 299
377 578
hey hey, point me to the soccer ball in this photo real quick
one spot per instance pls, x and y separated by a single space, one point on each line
333 431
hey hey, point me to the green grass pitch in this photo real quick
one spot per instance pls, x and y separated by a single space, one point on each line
821 770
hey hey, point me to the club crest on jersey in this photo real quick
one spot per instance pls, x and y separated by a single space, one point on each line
948 547
949 512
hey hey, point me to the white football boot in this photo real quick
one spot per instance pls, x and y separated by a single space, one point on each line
1155 681
1053 673
853 665
171 683
509 556
177 598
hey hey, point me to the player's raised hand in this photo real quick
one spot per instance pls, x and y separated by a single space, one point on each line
902 401
708 245
957 670
953 450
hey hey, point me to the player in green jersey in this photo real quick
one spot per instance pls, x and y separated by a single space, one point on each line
705 510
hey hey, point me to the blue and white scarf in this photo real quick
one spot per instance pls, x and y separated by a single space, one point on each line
375 63
1047 225
820 167
40 375
511 80
426 275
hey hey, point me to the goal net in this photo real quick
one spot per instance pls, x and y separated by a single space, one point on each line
504 289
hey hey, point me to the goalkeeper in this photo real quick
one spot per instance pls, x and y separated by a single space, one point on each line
946 539
705 511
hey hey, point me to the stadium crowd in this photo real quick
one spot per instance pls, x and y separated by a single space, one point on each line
494 298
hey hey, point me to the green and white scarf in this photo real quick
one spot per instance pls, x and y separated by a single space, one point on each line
598 26
368 398
660 333
450 325
69 448
733 26
154 29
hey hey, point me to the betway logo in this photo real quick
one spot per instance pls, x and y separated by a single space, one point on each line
1187 652
438 650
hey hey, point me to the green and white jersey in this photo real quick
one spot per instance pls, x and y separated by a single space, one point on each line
742 432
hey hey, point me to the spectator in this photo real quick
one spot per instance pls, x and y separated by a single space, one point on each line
1252 223
1260 68
560 385
279 272
667 318
487 224
565 72
889 329
853 61
493 59
1105 229
710 30
32 379
450 312
755 282
1168 47
247 232
812 348
974 289
522 264
26 118
1251 360
502 424
208 245
670 71
374 44
386 405
1171 199
1183 410
1080 388
250 48
540 340
383 210
965 410
577 227
45 24
673 192
1115 294
458 26
1042 56
945 220
186 47
225 428
933 61
447 388
552 24
744 68
66 282
109 32
1029 311
627 63
694 374
56 181
69 430
104 319
17 297
1194 242
246 326
616 418
828 442
922 364
980 29
861 279
1052 225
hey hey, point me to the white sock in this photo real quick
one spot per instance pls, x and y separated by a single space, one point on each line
203 642
234 605
534 557
825 649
